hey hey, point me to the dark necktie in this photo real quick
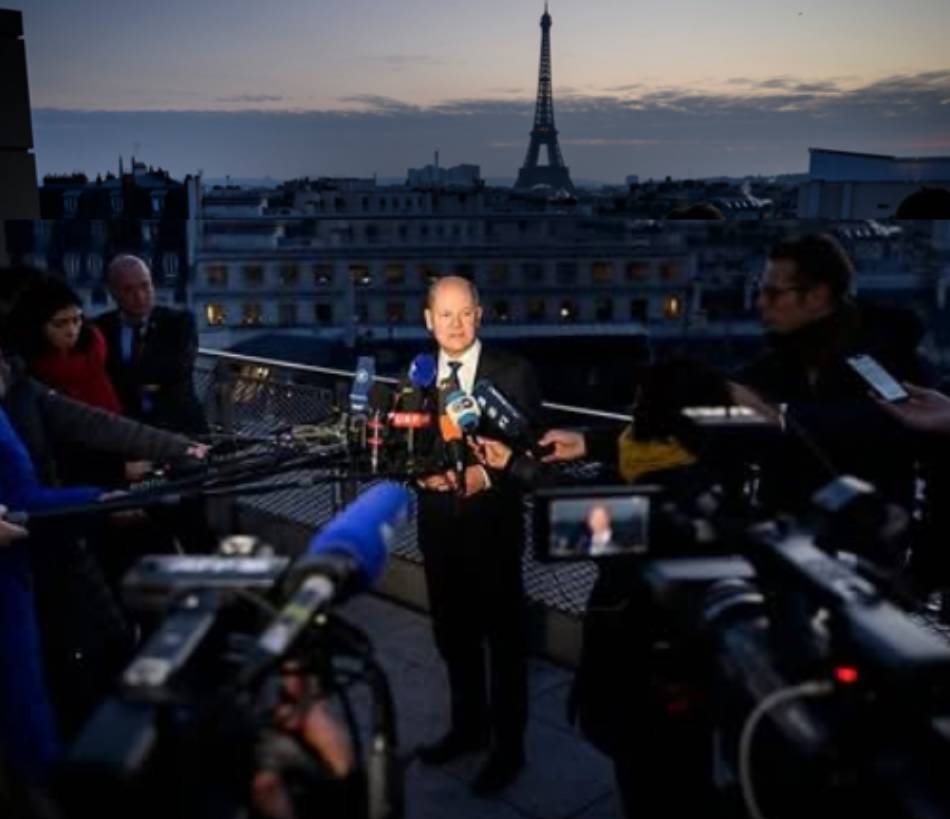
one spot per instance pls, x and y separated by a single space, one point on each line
138 343
453 379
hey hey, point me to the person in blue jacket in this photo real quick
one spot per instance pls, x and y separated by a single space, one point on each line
28 738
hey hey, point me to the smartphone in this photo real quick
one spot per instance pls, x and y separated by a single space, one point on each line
591 523
885 386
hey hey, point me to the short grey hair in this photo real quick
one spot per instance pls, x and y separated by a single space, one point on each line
122 262
454 279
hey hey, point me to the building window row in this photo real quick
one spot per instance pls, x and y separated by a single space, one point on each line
396 311
395 274
251 314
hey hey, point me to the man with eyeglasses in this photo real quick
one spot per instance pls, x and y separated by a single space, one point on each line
813 323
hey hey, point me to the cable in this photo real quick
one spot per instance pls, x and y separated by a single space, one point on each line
812 688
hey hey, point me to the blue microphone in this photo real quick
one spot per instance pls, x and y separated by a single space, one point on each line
361 534
362 381
422 371
343 558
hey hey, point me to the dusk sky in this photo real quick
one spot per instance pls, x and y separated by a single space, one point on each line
323 87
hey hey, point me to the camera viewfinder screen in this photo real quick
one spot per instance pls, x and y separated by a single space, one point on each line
599 527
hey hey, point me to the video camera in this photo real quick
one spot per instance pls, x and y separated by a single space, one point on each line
808 686
244 677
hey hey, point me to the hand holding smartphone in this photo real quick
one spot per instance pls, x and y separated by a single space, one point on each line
884 385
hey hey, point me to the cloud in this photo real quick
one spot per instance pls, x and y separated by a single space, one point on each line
252 99
378 104
763 126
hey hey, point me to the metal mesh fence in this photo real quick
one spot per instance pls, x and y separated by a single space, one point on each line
250 399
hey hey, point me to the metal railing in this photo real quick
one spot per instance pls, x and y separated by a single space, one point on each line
253 396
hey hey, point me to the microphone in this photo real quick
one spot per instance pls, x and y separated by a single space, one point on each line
510 421
379 400
411 414
455 450
343 558
359 400
362 381
463 410
422 371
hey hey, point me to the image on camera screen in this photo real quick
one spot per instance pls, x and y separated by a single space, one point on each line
599 527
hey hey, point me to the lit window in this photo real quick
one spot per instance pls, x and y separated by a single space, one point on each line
252 314
568 311
215 314
359 273
673 307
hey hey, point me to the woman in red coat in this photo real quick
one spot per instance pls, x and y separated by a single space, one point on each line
59 347
69 354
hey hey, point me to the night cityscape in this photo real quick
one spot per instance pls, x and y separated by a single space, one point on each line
372 279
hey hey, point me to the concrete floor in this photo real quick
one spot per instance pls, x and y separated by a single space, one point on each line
565 778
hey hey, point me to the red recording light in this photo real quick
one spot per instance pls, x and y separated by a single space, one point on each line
846 674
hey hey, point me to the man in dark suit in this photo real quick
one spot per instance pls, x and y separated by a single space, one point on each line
151 360
151 351
472 539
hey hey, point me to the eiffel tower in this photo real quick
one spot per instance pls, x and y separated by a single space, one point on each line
544 133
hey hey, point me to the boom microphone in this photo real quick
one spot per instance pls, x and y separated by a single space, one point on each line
343 558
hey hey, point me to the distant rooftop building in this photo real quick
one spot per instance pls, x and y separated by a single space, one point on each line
851 185
743 206
435 176
86 222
